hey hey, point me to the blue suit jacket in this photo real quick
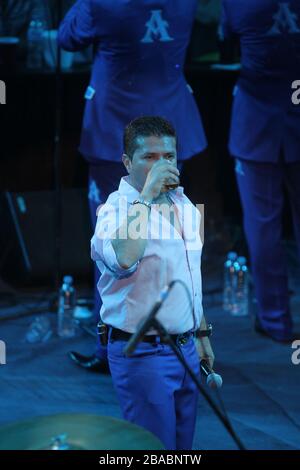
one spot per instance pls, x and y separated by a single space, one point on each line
137 70
264 119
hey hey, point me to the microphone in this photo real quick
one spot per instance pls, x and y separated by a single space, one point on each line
213 380
146 324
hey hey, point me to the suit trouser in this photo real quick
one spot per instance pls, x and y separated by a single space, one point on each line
261 191
154 390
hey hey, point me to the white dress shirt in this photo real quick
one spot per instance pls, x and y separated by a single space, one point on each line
128 295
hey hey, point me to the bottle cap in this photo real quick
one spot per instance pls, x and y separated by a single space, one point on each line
68 280
232 255
236 265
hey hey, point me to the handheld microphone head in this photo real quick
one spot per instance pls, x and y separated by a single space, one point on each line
214 380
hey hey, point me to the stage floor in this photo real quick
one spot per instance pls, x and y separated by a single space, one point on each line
260 390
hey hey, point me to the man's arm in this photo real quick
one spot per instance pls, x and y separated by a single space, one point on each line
203 346
129 241
77 30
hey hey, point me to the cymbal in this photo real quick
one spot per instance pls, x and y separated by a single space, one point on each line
76 432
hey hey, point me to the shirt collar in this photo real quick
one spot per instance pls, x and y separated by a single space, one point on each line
127 190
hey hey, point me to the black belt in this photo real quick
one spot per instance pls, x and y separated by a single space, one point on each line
180 339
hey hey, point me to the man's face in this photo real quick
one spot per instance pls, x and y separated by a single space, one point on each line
149 150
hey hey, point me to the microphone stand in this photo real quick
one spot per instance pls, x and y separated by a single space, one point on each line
164 335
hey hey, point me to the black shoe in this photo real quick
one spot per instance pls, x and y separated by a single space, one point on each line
92 363
288 338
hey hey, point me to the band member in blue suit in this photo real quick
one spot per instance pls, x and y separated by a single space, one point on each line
140 48
265 141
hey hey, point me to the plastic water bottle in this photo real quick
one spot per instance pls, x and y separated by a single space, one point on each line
39 330
229 281
66 327
240 306
35 44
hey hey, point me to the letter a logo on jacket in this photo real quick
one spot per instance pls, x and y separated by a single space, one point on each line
157 28
285 20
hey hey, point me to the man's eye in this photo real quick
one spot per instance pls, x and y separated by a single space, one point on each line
148 157
170 157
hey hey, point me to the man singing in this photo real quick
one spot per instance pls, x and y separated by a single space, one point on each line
136 261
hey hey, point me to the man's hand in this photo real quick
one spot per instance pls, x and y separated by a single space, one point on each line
161 174
205 351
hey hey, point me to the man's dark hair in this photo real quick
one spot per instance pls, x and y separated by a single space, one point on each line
145 126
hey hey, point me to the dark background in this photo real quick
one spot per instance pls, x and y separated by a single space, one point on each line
27 170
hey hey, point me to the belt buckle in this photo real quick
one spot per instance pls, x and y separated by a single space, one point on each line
182 339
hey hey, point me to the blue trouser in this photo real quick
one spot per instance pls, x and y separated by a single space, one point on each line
104 178
261 191
155 391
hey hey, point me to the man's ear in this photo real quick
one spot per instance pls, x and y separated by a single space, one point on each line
127 162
